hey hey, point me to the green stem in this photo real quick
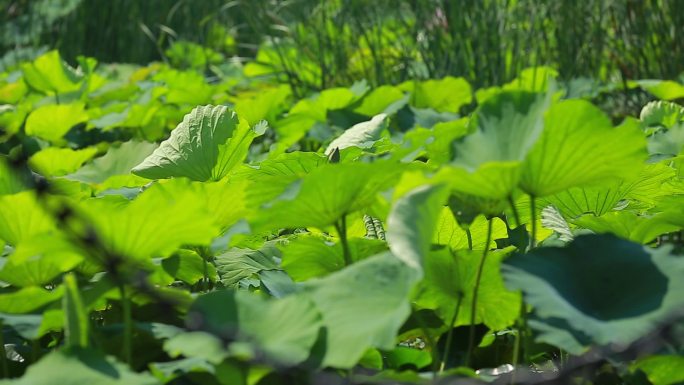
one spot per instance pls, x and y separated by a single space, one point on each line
533 219
469 235
525 353
450 334
430 342
341 228
205 272
128 325
516 355
520 347
204 253
473 306
515 210
564 358
3 352
35 350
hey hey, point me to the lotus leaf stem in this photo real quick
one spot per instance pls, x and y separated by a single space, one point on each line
473 306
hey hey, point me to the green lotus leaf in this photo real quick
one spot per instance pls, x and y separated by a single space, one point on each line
450 278
661 369
317 106
379 100
184 87
25 325
628 225
109 116
667 143
12 118
53 161
11 180
661 113
508 125
272 176
663 89
277 283
412 222
237 264
12 92
171 370
417 174
50 74
285 329
424 117
557 332
155 224
450 233
226 200
492 181
327 194
118 161
311 256
597 200
206 145
295 163
70 188
444 95
534 79
440 148
552 219
38 260
671 210
578 291
290 130
189 267
433 143
80 366
646 189
28 299
411 148
404 356
362 306
266 105
489 160
22 217
145 116
361 135
580 147
52 122
655 181
196 344
466 208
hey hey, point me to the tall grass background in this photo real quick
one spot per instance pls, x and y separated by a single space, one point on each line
316 44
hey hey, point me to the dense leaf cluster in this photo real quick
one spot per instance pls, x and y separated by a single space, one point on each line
356 236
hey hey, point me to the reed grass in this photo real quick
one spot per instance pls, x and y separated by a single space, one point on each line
383 41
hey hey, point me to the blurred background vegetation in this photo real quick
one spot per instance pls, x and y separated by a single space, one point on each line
315 44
